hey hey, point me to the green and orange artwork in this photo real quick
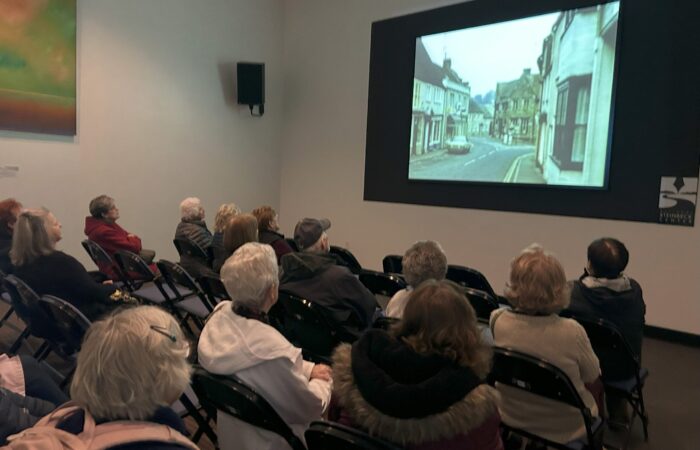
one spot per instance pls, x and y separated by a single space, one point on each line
37 66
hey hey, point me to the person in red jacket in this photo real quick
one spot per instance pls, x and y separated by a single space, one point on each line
101 227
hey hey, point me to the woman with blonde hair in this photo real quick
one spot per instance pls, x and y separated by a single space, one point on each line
421 385
268 231
538 291
226 212
51 272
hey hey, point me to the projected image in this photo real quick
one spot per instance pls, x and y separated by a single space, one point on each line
525 101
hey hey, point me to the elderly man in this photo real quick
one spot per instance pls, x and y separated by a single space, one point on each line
193 228
238 340
312 273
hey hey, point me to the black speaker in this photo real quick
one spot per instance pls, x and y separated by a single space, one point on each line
251 83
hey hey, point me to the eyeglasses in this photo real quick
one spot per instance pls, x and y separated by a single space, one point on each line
165 332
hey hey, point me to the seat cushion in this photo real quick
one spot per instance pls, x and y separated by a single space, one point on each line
193 306
630 384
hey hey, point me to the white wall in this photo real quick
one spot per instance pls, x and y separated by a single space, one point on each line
153 123
326 60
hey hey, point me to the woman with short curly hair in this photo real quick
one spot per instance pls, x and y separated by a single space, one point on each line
538 291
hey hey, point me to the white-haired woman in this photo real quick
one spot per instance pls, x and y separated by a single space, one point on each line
538 291
237 339
51 272
131 367
423 261
193 228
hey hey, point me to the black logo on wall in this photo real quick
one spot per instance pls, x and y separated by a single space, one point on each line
677 199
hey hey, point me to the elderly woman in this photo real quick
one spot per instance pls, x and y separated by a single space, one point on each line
50 271
424 260
237 339
226 212
537 290
421 385
268 231
242 229
131 366
9 210
193 228
101 227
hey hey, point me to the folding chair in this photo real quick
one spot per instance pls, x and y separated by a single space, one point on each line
230 395
305 325
346 258
621 369
213 288
392 264
483 304
186 247
5 298
189 296
539 377
323 435
380 283
153 290
103 261
472 278
25 303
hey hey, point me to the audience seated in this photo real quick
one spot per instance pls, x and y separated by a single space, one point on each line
131 366
240 230
537 290
424 260
238 340
101 227
9 210
268 231
421 385
226 212
27 393
605 292
50 271
193 228
313 274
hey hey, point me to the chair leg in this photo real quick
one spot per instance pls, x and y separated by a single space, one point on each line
201 421
7 315
42 352
18 343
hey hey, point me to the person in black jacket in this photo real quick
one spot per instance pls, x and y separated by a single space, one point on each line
9 210
52 272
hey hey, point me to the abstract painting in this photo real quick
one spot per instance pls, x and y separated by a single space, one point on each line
37 66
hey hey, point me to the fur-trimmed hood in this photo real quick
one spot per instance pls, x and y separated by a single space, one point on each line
478 405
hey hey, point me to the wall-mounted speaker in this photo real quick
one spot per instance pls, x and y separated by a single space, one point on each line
251 83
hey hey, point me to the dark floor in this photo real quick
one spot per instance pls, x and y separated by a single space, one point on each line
672 393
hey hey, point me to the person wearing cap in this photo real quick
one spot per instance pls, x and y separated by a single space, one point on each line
313 274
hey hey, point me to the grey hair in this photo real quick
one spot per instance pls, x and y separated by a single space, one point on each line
30 238
223 215
131 363
191 209
101 205
249 273
424 260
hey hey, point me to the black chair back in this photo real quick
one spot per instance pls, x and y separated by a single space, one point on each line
617 360
132 263
322 435
346 259
70 323
385 323
190 248
392 264
471 278
101 258
305 325
231 396
175 276
381 283
26 304
213 288
541 378
483 303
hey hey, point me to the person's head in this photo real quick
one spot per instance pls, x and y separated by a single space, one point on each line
103 207
267 218
35 234
250 276
424 260
241 229
438 319
310 235
537 283
9 210
607 258
225 213
131 363
191 209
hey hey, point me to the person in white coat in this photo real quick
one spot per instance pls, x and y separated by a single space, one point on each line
238 340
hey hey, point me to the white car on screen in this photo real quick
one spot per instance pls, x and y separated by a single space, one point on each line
458 144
